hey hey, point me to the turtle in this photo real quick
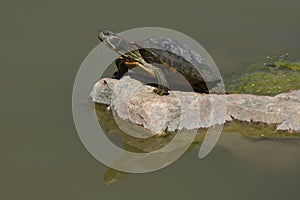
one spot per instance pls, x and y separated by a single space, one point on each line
153 54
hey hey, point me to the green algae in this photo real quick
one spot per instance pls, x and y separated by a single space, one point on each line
258 130
282 62
270 82
295 66
266 78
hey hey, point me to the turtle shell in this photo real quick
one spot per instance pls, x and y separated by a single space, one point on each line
181 58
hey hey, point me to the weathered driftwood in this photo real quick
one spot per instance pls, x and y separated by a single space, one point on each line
132 101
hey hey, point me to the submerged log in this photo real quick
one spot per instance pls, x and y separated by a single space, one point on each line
132 101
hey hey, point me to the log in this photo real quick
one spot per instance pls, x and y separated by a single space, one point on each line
132 101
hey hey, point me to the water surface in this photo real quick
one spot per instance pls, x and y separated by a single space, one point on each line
42 46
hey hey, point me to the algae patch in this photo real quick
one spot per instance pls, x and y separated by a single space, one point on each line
267 79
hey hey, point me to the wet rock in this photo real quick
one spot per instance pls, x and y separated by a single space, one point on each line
134 102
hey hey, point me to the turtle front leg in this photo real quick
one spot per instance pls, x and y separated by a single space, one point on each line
122 68
163 85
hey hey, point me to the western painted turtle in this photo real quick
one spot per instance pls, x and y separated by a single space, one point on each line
156 53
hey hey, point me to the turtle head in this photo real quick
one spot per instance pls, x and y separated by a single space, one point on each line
117 43
111 39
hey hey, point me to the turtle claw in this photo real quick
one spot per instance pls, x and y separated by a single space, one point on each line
116 75
160 91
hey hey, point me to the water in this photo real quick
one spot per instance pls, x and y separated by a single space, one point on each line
42 46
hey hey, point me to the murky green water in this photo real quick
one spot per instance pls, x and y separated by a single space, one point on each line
42 46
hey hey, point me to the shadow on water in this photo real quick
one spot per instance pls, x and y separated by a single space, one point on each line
240 138
119 132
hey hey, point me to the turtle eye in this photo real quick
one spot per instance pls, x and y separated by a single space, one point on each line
106 33
103 35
